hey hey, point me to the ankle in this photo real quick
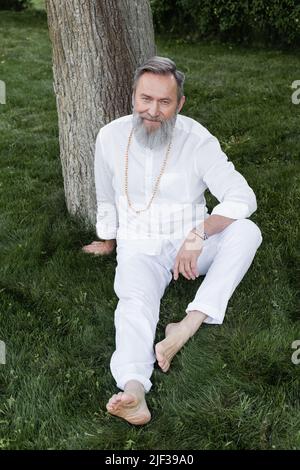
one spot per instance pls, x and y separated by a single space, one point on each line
135 387
193 321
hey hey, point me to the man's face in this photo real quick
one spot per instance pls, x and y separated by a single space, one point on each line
155 109
155 99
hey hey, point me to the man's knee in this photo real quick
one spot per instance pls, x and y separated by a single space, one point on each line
140 278
135 289
248 231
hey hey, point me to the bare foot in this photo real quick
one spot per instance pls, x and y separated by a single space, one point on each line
100 248
130 404
177 335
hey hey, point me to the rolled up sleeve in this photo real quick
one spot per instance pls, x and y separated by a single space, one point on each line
107 220
236 199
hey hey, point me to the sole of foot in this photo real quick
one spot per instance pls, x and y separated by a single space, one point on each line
128 407
176 336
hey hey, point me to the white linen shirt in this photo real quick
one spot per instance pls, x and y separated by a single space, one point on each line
195 163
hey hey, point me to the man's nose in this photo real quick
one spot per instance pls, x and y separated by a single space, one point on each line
154 109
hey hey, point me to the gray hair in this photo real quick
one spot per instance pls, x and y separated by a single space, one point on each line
161 66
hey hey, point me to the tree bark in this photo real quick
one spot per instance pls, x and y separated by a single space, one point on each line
97 45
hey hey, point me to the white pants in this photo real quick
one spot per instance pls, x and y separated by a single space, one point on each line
140 282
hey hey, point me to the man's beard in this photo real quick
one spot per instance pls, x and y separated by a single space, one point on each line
153 139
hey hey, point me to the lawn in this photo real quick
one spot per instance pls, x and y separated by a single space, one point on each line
232 386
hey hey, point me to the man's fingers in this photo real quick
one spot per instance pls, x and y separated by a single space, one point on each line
97 248
92 246
175 270
189 270
182 266
185 266
194 268
182 269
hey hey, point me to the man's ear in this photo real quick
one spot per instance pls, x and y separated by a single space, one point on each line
180 104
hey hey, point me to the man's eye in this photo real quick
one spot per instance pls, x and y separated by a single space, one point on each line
145 99
165 102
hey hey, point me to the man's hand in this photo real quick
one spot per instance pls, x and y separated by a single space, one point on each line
187 256
100 248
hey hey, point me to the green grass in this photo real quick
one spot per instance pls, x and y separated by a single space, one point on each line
38 4
233 386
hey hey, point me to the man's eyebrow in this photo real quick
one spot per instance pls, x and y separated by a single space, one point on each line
161 99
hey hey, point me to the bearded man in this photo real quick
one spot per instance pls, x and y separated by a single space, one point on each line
151 171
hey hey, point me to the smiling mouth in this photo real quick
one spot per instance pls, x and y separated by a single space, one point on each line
152 120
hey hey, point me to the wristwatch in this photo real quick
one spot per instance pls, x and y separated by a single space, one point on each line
201 234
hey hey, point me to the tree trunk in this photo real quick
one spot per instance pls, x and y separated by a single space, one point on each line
97 45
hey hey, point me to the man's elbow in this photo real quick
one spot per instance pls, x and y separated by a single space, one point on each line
252 204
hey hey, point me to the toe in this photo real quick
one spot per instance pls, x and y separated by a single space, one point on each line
161 363
109 407
119 397
164 365
112 400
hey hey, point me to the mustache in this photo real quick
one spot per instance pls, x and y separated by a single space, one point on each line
150 118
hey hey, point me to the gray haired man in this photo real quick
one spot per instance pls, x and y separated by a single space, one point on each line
151 170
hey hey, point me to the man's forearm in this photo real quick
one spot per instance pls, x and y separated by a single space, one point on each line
215 224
